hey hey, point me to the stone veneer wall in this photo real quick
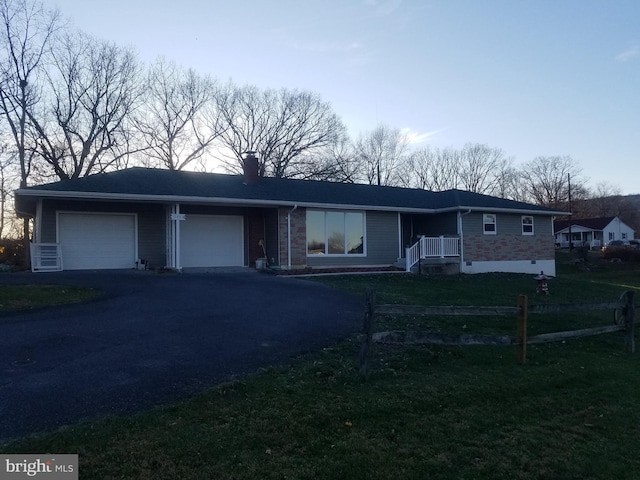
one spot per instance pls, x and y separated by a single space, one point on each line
298 237
496 248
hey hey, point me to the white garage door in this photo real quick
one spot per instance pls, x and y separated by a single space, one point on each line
97 241
211 241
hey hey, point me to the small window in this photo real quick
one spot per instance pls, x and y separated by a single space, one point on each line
489 224
611 236
624 235
527 225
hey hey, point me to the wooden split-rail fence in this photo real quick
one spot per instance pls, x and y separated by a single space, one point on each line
623 320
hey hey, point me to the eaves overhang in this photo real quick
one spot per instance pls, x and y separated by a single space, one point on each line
521 211
228 201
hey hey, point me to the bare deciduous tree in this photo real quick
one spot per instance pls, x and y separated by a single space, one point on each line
336 162
25 46
435 169
27 31
509 182
177 122
94 88
285 128
7 165
480 168
383 154
546 181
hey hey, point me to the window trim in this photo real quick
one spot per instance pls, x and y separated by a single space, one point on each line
326 240
532 225
485 221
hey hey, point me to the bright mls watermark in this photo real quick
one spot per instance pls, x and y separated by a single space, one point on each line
49 466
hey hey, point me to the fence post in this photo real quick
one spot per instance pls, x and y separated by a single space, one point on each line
521 334
367 330
441 246
629 312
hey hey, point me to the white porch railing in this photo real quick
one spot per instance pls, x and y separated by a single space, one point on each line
46 257
593 244
432 247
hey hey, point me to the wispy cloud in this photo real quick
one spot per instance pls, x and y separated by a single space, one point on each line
382 8
353 53
632 52
413 137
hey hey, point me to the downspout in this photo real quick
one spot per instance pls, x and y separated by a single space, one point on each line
289 235
460 232
264 237
399 236
176 238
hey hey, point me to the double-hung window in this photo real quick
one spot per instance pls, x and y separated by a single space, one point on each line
489 224
335 233
527 225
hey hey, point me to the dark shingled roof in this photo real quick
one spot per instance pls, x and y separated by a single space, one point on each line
591 223
147 184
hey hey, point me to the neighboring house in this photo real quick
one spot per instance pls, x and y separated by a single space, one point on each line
178 219
591 232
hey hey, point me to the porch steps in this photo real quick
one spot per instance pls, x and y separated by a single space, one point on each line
434 255
433 266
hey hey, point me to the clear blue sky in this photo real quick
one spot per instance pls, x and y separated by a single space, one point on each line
544 77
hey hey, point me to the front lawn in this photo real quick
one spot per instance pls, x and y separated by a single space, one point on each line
26 297
424 412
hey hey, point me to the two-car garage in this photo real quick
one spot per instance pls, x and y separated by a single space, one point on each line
91 241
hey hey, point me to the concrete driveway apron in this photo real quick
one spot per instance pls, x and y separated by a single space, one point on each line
152 339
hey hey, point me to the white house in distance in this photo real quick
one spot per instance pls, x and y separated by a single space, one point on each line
591 232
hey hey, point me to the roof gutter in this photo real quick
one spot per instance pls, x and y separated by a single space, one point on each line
267 203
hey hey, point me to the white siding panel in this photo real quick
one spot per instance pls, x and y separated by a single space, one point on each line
212 241
97 241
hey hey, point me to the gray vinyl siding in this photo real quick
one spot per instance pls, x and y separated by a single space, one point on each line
542 225
381 244
48 222
152 235
506 224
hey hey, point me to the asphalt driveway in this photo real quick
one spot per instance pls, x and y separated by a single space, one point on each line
152 339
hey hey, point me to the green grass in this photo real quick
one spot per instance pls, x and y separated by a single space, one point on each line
26 297
423 413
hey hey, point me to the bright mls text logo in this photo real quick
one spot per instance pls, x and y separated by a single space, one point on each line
50 467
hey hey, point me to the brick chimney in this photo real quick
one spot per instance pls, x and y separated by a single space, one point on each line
250 168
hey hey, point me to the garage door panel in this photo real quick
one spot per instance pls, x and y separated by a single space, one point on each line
97 241
212 241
